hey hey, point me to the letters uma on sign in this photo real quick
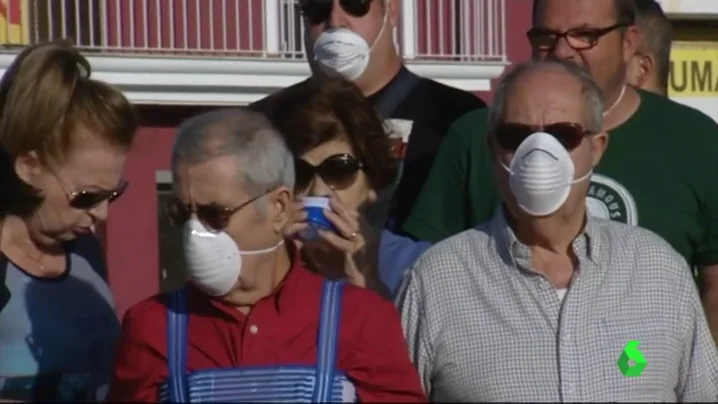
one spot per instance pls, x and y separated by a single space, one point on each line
694 70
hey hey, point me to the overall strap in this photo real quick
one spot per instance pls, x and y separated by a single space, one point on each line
177 346
330 315
398 90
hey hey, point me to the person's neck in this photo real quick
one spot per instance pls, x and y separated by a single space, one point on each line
620 109
653 87
382 75
17 234
553 234
269 274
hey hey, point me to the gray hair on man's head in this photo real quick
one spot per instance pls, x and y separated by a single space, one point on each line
266 162
592 95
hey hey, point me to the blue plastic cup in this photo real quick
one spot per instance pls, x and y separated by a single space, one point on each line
314 206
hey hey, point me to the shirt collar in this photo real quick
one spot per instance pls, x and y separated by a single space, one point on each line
586 245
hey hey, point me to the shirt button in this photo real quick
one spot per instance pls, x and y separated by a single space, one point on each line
253 329
567 337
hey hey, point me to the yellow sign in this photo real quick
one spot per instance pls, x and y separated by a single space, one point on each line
694 69
14 22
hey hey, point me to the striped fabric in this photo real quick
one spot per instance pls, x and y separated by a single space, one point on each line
296 384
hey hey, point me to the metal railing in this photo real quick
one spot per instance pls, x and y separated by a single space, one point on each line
446 30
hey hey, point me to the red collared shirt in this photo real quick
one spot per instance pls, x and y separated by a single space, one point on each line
280 329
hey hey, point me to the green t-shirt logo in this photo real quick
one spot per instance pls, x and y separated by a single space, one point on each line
608 199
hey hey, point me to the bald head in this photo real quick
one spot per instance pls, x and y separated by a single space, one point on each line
263 159
549 88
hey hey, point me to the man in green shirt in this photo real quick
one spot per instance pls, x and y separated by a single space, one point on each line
659 170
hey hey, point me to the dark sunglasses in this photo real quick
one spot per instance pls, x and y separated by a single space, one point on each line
510 135
578 38
86 200
318 11
338 172
215 217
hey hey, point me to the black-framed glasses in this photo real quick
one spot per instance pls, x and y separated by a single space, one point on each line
318 11
88 199
338 171
214 216
585 38
510 135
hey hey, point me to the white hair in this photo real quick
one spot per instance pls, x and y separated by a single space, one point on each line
265 161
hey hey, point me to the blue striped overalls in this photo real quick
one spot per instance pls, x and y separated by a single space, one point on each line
292 383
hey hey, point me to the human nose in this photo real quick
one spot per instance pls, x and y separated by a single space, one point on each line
337 17
319 188
562 50
99 211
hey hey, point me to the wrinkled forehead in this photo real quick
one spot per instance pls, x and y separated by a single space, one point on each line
563 15
217 181
545 96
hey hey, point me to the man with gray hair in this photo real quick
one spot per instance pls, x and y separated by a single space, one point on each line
253 323
545 302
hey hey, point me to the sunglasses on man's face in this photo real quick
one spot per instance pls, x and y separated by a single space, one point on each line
86 200
510 135
215 217
338 172
318 11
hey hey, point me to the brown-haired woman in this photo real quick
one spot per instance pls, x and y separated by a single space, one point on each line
64 139
342 152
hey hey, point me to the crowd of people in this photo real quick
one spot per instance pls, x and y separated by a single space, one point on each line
371 235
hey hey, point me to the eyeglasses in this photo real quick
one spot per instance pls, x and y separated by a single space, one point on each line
318 11
86 200
510 135
215 217
338 172
578 38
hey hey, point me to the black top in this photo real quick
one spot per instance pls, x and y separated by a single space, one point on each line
421 120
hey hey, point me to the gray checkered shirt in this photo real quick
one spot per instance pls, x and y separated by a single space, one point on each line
482 326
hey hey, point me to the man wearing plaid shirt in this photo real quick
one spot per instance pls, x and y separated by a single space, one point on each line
544 302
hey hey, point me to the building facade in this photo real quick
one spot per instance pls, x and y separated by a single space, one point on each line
175 58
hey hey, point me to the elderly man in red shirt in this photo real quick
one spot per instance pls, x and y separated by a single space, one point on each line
253 323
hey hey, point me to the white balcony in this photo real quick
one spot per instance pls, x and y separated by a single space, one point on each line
236 51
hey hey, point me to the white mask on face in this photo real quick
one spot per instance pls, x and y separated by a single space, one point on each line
541 174
213 259
343 52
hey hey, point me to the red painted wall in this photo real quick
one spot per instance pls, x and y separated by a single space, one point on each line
130 235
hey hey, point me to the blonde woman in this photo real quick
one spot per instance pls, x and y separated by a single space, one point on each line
65 138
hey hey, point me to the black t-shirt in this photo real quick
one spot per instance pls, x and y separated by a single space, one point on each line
420 120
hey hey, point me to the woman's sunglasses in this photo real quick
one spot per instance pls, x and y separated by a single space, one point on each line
510 135
338 172
215 217
318 11
86 200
